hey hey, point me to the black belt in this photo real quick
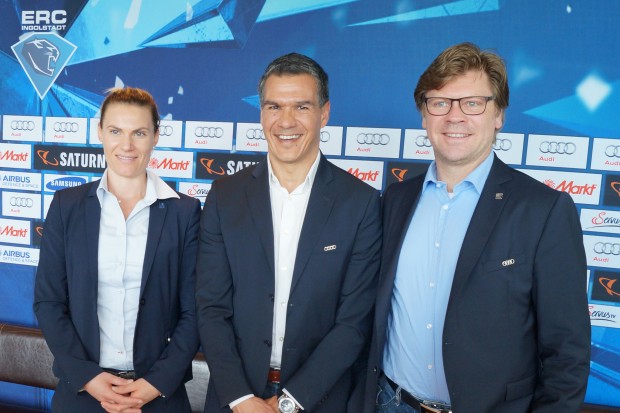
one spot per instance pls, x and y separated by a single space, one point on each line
422 405
123 374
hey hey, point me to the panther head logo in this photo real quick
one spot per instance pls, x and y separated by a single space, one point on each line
41 56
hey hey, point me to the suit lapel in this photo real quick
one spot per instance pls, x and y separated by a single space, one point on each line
486 215
259 205
157 217
320 204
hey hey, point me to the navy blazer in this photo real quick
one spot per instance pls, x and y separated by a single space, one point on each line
516 337
332 293
65 302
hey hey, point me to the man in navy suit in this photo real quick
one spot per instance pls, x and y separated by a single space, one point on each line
482 304
114 291
288 258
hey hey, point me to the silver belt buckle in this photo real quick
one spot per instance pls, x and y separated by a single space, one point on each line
425 407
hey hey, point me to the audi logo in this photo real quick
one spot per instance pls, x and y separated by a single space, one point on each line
21 202
208 132
66 127
25 125
613 151
166 130
373 138
255 134
567 148
422 141
608 248
502 145
324 136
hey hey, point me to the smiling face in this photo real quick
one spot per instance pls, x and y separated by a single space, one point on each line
128 138
459 140
292 119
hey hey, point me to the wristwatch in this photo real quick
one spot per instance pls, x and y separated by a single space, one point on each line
287 405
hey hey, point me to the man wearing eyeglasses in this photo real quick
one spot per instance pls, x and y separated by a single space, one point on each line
482 304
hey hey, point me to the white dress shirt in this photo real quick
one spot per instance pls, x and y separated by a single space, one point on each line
287 211
122 245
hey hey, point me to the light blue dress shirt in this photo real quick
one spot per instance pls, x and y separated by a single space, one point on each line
413 352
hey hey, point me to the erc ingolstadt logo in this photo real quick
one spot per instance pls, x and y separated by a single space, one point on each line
43 56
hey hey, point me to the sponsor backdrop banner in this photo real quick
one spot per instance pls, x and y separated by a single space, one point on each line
202 61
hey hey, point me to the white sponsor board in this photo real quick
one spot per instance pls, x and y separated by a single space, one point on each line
373 142
331 140
583 187
170 133
600 220
93 135
557 151
509 147
417 145
22 128
19 255
66 130
14 231
604 315
602 251
606 155
370 172
250 137
172 164
15 156
24 181
21 205
209 135
197 190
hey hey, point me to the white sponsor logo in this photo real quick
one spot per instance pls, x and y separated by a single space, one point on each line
600 220
54 182
604 315
173 164
331 140
373 142
93 132
602 251
417 145
20 180
22 128
509 147
558 151
606 154
44 20
209 135
170 133
370 172
250 137
15 156
584 188
66 130
14 231
21 205
19 255
195 189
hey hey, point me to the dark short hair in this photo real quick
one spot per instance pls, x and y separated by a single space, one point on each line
131 96
456 61
297 64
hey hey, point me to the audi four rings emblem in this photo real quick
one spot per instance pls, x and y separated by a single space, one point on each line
208 132
21 202
567 148
373 138
165 130
66 127
608 248
26 125
613 151
255 134
324 136
422 141
502 145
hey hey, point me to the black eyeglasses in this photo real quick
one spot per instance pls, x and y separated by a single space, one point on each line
470 105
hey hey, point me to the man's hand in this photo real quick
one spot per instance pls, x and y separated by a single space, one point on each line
253 405
101 387
273 403
139 390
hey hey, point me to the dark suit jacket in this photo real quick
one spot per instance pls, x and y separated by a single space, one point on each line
516 337
331 298
166 337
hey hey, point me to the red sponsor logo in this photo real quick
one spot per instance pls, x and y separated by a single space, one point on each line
368 176
571 188
10 155
168 164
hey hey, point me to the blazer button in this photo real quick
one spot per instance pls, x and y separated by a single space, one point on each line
268 343
142 301
374 369
272 297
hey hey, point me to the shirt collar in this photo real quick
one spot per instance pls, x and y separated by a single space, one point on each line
477 177
156 188
304 186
